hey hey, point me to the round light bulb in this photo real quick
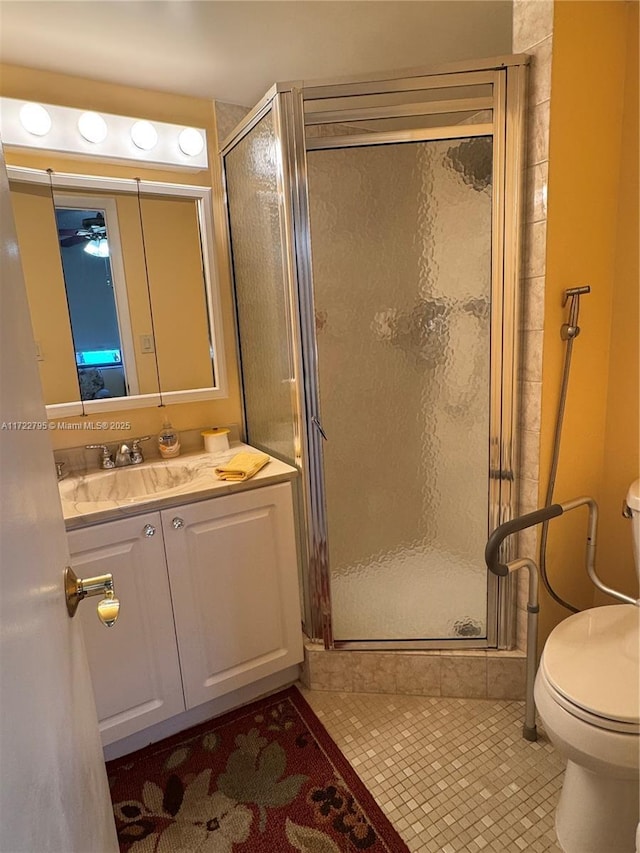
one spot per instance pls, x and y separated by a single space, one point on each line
191 141
144 135
35 119
93 127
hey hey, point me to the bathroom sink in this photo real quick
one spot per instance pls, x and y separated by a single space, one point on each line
128 484
103 495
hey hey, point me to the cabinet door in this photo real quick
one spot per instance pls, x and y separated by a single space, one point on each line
134 665
234 584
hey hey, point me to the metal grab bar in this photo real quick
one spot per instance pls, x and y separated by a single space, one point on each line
491 554
515 525
591 549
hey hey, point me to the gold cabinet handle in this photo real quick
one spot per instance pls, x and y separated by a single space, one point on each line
75 589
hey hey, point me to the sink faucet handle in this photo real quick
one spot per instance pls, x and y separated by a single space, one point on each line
106 460
136 453
136 441
60 474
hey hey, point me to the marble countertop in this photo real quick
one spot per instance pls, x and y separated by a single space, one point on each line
155 485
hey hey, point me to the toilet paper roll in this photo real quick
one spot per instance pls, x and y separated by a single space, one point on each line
216 440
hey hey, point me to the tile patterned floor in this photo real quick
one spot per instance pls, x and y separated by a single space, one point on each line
452 775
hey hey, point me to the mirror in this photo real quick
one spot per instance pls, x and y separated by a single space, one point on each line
118 273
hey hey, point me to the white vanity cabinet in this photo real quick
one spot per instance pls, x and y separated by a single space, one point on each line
234 584
134 665
209 603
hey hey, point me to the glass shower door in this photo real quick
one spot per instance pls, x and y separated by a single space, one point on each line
402 241
258 252
254 171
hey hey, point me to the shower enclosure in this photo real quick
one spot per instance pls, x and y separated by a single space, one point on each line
374 241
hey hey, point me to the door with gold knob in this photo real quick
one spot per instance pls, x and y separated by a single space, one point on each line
134 664
54 793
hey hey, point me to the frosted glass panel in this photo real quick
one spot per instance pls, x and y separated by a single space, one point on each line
261 289
401 240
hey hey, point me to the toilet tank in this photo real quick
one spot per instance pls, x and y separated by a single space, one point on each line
633 502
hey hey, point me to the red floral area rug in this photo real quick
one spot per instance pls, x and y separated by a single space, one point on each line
266 778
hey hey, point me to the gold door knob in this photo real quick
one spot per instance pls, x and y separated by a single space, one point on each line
76 589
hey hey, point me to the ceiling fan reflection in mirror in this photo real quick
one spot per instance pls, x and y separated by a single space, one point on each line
93 232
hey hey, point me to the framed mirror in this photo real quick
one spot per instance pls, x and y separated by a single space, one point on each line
120 280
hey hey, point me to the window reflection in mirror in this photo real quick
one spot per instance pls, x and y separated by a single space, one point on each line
96 298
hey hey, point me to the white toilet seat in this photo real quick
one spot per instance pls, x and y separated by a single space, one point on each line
582 713
590 666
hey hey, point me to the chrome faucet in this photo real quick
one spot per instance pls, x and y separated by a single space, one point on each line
124 455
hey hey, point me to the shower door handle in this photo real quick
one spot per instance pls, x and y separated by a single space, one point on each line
318 426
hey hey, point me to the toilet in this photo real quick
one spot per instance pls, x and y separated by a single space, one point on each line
587 693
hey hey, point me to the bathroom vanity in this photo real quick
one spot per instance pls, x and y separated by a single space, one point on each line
207 577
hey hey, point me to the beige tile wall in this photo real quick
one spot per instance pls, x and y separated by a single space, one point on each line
227 117
533 34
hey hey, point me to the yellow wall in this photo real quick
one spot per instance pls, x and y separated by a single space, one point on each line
178 296
622 432
591 239
81 93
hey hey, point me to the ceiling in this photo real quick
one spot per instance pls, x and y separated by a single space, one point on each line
234 51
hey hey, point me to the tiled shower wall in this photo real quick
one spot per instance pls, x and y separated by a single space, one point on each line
532 34
227 117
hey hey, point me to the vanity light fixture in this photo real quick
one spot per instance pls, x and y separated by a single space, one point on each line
191 142
35 119
98 248
92 127
144 135
88 134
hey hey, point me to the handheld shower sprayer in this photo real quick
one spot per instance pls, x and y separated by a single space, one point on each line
569 331
572 329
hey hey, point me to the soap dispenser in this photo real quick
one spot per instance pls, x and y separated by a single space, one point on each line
168 441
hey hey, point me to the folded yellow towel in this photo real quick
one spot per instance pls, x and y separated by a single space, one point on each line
242 466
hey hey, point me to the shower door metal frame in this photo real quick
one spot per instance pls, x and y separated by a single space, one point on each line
276 102
507 75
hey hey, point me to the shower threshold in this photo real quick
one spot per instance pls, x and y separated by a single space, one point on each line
464 674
